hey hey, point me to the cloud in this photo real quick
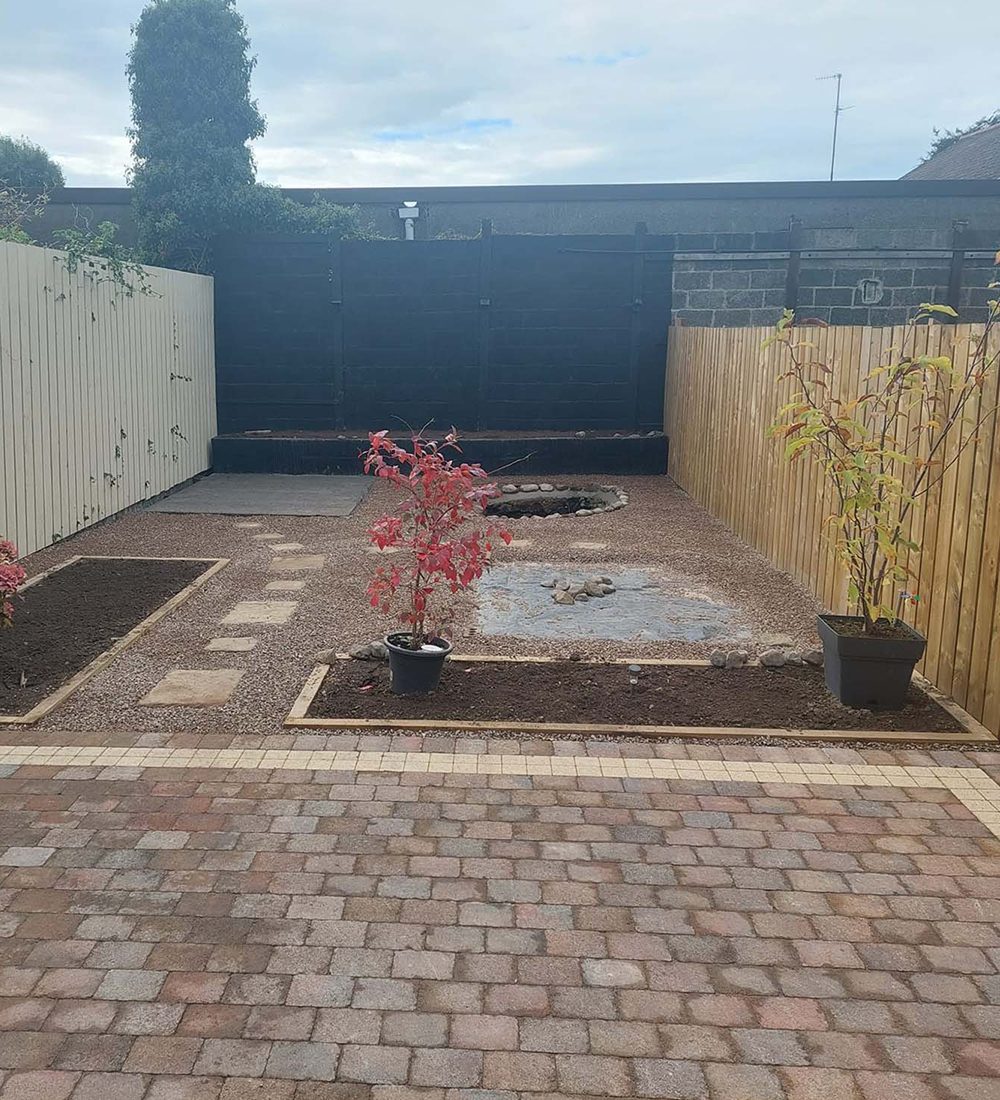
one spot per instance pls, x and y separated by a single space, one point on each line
518 91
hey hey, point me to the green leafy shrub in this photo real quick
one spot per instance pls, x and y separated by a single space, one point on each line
25 166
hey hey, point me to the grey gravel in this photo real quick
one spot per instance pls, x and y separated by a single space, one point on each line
663 527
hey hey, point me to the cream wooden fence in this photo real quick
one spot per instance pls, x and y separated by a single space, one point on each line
105 400
722 393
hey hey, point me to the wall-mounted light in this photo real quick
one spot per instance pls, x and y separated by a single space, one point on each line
409 212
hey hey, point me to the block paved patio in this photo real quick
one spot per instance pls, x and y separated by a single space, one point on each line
204 918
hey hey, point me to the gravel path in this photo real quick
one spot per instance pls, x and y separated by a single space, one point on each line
661 528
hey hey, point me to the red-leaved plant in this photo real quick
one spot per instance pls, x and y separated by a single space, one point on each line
436 524
11 578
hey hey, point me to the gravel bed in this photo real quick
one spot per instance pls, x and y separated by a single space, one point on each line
661 527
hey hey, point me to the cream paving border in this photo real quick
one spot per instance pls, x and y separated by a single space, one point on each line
971 786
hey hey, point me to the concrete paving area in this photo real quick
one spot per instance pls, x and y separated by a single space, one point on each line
268 495
354 919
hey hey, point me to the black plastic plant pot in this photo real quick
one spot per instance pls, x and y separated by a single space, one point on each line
415 671
868 670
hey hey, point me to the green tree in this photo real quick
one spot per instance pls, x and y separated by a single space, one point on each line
192 119
25 166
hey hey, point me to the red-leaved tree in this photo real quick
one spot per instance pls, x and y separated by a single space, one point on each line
11 578
436 524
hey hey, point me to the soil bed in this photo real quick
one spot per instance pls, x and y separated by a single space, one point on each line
575 692
73 615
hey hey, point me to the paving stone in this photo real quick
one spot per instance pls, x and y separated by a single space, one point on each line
286 546
374 1065
264 612
297 563
284 586
192 687
302 1061
26 857
447 1068
231 645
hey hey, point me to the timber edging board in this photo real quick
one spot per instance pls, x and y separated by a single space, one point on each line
102 660
298 716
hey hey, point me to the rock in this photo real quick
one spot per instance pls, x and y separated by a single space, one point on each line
736 658
593 588
584 512
771 641
772 658
793 657
609 588
545 487
581 435
508 488
582 598
575 590
562 583
531 488
718 658
635 669
325 657
374 651
813 657
604 580
548 584
562 596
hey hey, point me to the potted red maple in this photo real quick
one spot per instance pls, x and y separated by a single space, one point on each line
439 526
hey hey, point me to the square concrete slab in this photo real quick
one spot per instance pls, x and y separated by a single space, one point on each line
231 645
284 586
269 495
284 547
249 526
269 612
300 563
193 687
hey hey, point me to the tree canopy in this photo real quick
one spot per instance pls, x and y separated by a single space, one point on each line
193 118
25 166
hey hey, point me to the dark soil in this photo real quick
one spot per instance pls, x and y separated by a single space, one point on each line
568 691
72 616
851 626
540 506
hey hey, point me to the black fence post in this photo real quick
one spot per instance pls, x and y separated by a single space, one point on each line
635 323
485 301
956 271
336 280
794 263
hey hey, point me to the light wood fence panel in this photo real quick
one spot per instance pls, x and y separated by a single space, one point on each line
106 400
722 393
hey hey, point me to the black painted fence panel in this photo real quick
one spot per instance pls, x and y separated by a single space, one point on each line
505 333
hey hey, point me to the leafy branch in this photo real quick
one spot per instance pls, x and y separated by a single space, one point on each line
883 450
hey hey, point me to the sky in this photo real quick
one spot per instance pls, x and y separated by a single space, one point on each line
444 92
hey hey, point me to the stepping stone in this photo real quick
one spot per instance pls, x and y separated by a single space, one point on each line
588 546
383 550
193 687
283 546
271 612
231 645
25 857
297 563
284 586
268 536
521 542
248 526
